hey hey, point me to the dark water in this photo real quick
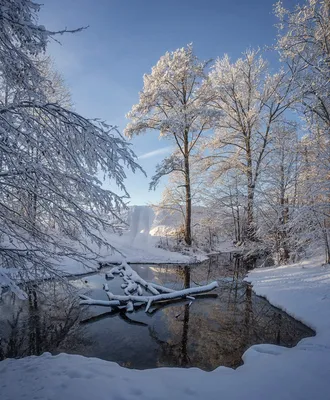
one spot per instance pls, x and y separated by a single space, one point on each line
211 331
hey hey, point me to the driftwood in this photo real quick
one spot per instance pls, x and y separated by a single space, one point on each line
132 284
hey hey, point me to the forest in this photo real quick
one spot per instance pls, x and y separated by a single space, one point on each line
251 147
251 158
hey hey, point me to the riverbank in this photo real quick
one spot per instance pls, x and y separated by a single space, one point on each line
134 249
138 249
272 372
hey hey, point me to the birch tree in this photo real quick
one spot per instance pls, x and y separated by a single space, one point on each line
171 104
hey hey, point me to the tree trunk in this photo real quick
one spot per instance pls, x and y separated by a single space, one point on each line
187 227
250 231
237 210
284 217
327 244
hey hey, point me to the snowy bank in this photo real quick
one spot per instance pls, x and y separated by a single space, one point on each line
269 371
141 249
138 244
135 245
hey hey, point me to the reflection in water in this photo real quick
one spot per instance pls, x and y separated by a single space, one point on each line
213 330
184 359
39 324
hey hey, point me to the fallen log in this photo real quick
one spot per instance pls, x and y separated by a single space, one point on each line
160 288
85 300
130 300
129 274
121 311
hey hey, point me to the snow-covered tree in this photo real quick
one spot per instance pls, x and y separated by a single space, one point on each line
171 103
304 44
173 202
49 158
278 195
54 85
250 100
225 200
313 194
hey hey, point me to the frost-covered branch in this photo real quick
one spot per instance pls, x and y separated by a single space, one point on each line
166 167
52 200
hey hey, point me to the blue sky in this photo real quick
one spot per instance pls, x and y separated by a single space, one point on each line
103 66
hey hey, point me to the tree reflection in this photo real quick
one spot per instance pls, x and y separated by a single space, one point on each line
40 324
213 332
184 342
184 361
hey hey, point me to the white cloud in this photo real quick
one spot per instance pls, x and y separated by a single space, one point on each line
163 150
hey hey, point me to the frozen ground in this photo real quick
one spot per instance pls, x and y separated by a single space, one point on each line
269 372
137 245
141 249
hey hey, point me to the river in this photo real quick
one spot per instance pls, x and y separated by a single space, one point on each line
210 331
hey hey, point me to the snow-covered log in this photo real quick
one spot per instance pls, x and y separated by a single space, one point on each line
85 300
121 310
130 300
128 274
130 287
161 288
134 297
181 293
130 306
114 271
139 290
165 296
135 277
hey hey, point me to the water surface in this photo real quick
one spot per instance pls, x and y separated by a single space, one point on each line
211 331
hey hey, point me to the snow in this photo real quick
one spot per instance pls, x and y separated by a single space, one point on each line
6 281
137 245
269 371
133 283
302 290
140 250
